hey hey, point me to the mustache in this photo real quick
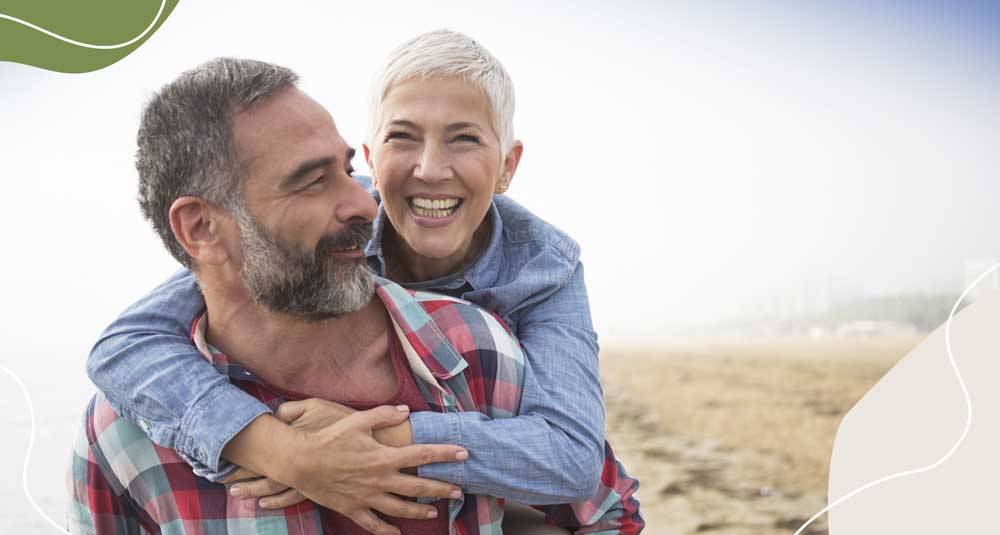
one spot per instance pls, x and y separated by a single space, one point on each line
353 235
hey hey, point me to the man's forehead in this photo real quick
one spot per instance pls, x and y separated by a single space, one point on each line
284 130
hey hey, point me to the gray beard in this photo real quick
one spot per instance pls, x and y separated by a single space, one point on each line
285 279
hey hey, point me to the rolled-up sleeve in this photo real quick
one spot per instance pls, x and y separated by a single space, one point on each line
553 450
153 375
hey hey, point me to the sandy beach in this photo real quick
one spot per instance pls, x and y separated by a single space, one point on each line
734 437
726 438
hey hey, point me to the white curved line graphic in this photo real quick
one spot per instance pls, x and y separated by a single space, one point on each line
968 419
132 41
31 445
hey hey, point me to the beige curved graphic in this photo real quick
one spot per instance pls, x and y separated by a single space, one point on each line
913 416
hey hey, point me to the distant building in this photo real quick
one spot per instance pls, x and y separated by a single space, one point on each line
973 270
869 328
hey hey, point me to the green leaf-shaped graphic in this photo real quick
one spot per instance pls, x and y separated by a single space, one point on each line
76 36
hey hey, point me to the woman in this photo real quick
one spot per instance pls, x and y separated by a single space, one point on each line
441 145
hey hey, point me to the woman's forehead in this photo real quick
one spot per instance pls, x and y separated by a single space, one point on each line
450 100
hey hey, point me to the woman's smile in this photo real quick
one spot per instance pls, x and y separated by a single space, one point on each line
433 210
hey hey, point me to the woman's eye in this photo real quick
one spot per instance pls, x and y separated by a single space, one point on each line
397 135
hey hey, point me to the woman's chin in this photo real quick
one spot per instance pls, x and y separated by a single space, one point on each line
435 252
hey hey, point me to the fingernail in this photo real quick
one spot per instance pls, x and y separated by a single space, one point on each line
236 492
455 494
432 514
264 504
462 455
402 408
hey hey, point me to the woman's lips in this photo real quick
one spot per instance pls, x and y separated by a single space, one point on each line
433 210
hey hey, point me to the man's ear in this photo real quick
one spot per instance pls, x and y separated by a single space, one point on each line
509 167
368 160
197 227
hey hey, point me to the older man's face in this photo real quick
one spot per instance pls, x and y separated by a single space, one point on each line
305 222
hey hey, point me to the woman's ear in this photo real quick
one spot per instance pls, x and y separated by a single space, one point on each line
196 227
509 167
368 160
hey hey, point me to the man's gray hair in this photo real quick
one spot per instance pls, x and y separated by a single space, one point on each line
186 145
442 54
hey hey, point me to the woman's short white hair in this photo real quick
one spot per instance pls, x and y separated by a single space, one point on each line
441 54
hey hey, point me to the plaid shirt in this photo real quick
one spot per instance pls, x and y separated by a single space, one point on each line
462 359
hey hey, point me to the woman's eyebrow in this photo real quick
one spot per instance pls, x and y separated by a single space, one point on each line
403 122
463 125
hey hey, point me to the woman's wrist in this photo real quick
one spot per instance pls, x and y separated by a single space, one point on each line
268 447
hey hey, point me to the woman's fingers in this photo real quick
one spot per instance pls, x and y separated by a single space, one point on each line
419 487
257 488
290 411
379 417
240 475
282 500
393 506
373 524
421 454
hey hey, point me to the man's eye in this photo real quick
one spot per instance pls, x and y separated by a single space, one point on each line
467 138
350 171
320 180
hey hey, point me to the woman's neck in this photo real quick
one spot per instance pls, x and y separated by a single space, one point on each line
404 265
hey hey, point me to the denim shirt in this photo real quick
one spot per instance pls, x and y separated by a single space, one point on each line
529 274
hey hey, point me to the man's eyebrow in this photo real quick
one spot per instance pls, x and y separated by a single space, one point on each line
309 166
305 168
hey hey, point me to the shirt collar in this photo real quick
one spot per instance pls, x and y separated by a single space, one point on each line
427 348
481 273
430 354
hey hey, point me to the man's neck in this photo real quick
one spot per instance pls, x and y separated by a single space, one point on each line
327 359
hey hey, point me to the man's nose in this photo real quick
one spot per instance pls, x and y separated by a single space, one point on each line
354 203
433 164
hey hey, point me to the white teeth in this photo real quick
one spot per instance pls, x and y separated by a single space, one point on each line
432 213
434 204
434 208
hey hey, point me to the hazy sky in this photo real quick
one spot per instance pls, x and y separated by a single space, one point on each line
707 157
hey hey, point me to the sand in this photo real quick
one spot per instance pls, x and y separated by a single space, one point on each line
735 437
725 437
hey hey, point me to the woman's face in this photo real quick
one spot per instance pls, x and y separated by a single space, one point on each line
437 163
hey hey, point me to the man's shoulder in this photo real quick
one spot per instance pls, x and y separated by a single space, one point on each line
120 447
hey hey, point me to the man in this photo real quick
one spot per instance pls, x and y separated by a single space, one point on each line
274 228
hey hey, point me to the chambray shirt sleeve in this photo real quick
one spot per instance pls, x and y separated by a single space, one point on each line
152 375
553 450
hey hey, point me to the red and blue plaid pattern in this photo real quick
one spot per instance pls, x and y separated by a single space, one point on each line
462 359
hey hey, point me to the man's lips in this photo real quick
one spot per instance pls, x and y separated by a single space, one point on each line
353 252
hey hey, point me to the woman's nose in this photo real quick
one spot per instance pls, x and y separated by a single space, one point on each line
433 164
